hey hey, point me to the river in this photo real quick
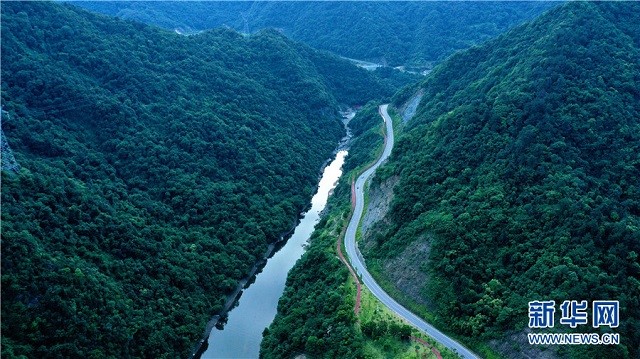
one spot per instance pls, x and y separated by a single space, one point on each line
258 304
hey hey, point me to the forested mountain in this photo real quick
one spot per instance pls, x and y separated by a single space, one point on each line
315 313
398 33
156 169
520 174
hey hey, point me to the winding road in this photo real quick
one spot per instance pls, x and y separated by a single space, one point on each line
357 262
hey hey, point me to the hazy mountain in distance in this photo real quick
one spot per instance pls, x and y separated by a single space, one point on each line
394 33
515 181
519 174
156 169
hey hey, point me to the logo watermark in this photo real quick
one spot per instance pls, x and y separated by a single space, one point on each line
573 338
604 313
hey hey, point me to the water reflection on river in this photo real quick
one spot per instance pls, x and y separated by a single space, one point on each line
242 334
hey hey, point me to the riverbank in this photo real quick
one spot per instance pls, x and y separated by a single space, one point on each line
317 317
219 319
298 234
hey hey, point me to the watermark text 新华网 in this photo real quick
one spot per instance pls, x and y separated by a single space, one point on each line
604 313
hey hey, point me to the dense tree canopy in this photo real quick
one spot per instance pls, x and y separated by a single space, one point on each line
522 166
156 169
315 313
399 33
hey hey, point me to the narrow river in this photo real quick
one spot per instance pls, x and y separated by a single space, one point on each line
242 334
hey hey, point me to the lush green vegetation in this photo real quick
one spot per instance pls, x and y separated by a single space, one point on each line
399 33
368 135
387 336
156 169
315 314
522 165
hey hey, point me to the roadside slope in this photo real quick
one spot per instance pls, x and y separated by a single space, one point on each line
358 262
519 170
155 171
397 33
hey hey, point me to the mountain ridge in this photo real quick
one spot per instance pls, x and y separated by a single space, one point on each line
396 33
519 164
156 170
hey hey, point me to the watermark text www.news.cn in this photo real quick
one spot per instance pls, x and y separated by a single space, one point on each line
604 313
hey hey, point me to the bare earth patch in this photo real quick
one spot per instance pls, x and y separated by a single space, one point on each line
516 346
403 270
379 201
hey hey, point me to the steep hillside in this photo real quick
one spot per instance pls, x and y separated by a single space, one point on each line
520 173
398 33
155 171
315 313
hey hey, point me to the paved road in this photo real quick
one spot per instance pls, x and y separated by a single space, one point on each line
358 262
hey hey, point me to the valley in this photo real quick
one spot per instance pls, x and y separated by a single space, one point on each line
156 170
145 175
357 261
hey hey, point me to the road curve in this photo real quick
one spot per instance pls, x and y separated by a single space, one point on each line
357 262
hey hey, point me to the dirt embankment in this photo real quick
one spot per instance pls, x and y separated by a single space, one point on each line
379 202
403 270
409 108
516 346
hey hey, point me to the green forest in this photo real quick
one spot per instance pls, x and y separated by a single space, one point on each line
156 169
398 33
315 313
520 171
